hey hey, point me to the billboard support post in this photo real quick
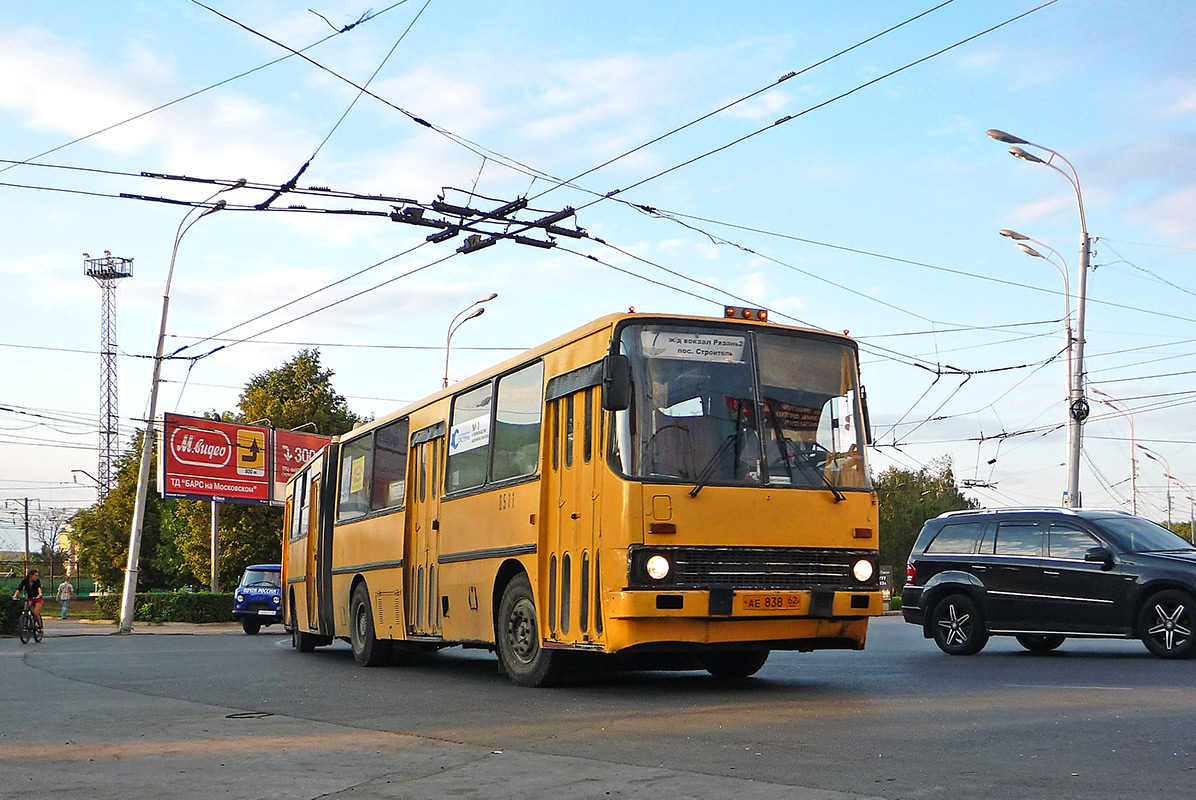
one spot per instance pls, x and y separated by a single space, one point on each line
215 547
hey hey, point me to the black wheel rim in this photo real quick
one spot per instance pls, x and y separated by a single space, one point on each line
361 623
1171 629
522 636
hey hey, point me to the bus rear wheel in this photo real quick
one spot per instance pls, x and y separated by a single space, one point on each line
303 642
368 649
518 633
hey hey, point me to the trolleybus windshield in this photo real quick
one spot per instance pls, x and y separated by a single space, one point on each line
739 407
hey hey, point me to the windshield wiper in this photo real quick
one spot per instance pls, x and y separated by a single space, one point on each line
707 471
839 496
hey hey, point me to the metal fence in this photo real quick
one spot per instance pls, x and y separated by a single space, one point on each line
12 572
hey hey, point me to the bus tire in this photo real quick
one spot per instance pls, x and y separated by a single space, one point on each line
368 649
733 664
250 626
303 642
518 634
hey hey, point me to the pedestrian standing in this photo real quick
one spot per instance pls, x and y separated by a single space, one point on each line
65 592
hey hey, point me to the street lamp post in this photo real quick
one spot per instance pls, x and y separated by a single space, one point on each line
452 328
128 596
1061 265
1108 401
1191 508
1153 456
1078 405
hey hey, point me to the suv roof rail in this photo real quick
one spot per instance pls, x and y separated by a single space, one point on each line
1023 509
1007 510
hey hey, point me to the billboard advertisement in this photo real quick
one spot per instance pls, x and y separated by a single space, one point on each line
291 451
202 459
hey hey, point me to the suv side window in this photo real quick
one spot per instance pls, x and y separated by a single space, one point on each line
1065 542
1019 539
956 539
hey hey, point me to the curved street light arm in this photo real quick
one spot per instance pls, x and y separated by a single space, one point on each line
129 593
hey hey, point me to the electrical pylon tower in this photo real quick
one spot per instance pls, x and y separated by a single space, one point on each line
107 271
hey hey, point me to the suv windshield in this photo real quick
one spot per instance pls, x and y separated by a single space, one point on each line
1137 535
741 407
261 577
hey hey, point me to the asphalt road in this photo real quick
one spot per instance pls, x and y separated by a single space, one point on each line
150 716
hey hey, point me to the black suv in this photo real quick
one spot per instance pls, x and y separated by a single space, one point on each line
1043 574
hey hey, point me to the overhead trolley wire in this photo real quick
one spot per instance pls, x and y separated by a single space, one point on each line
789 118
364 18
787 76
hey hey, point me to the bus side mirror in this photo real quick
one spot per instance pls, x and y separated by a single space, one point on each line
616 383
866 415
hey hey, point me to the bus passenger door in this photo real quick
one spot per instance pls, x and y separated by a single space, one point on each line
313 554
422 580
574 462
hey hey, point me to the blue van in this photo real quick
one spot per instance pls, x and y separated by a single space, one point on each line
258 599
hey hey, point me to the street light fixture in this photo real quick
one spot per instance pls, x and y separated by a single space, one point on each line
1192 508
128 596
1061 265
1078 408
457 322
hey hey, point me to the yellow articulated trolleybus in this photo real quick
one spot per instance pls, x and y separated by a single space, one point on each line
668 491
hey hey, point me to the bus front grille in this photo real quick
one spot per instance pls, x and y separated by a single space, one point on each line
756 568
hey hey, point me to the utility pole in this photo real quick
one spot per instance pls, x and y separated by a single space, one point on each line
106 272
24 505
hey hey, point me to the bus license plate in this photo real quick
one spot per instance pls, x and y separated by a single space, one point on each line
266 613
772 602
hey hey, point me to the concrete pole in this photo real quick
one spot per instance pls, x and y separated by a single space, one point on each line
129 595
1078 405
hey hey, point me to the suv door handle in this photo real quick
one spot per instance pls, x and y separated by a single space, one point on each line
1051 572
979 567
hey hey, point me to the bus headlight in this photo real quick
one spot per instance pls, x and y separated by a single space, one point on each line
657 567
240 598
276 600
862 570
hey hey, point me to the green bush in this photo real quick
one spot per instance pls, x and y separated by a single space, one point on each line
895 603
10 612
174 607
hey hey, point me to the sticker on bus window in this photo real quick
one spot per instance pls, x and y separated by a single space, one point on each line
357 475
710 347
469 435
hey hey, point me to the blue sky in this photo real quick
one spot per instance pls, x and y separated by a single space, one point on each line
898 177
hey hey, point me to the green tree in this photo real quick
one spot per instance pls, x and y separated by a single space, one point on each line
176 534
296 394
907 499
101 532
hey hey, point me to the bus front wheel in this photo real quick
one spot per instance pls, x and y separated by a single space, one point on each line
733 664
519 646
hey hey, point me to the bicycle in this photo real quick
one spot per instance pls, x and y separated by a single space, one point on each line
28 627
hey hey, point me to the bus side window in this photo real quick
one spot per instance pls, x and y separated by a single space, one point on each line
469 439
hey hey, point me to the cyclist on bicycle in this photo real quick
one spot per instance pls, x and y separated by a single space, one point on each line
32 587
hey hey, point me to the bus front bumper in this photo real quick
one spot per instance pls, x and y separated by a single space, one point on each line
793 620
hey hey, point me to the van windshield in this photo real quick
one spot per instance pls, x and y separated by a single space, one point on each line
261 577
